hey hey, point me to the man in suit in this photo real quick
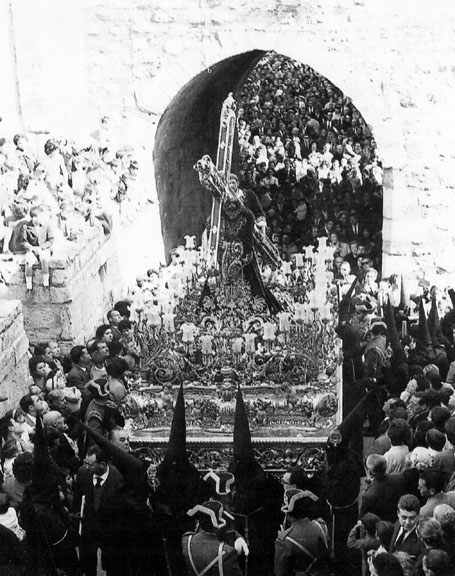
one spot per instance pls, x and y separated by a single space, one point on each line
286 175
95 499
354 230
381 496
329 124
404 537
79 374
114 318
31 405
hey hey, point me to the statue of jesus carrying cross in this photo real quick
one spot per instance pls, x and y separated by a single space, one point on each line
234 235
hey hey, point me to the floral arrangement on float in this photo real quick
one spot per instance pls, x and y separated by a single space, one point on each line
194 329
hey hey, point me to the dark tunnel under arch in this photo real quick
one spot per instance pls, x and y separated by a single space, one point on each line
187 130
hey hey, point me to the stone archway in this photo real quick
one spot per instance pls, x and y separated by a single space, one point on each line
187 130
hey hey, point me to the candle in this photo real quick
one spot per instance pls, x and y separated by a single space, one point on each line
190 242
250 345
153 316
181 292
299 260
309 252
269 331
285 323
326 311
206 344
307 312
237 345
322 245
299 311
168 320
188 330
404 328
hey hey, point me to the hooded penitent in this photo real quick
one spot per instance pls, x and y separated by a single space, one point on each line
180 484
45 519
433 323
448 322
257 498
439 342
346 306
424 353
423 337
404 296
244 466
341 480
396 376
44 487
352 425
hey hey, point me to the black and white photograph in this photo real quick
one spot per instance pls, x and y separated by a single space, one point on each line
227 288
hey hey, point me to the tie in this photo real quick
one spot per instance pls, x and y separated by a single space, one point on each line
399 540
98 482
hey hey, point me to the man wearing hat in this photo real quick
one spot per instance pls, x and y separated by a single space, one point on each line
376 358
102 413
204 551
376 355
303 546
221 486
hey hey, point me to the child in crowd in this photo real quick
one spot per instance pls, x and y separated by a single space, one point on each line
363 534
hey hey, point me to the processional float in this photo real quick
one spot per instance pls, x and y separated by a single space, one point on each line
193 330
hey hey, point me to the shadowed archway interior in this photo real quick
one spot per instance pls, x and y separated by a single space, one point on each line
187 130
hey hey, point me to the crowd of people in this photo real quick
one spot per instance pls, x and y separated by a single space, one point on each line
52 191
312 161
398 366
73 486
393 513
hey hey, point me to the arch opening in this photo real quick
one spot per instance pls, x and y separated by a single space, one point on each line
189 129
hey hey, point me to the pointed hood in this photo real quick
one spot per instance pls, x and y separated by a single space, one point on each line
423 337
433 323
176 450
44 487
451 293
250 478
346 303
126 463
404 296
351 426
180 485
243 448
392 333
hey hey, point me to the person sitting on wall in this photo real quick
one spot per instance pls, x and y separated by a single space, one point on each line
36 239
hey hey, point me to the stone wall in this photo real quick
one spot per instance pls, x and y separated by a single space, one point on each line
396 60
14 377
84 278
